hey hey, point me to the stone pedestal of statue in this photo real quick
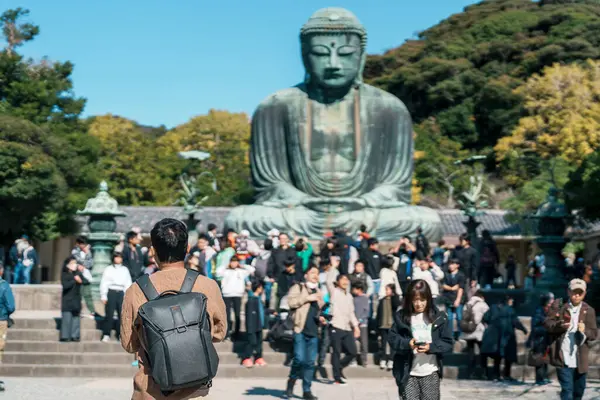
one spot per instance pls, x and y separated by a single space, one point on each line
333 152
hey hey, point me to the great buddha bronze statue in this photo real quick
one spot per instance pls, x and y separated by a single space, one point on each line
333 152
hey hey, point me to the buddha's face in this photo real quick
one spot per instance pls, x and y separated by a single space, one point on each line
333 59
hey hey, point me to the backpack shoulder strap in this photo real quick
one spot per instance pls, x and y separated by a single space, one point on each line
189 280
147 287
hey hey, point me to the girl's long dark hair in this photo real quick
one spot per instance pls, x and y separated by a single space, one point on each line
420 287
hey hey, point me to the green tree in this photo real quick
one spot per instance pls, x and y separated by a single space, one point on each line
583 187
14 33
463 70
42 92
563 107
33 189
525 200
435 169
226 136
137 171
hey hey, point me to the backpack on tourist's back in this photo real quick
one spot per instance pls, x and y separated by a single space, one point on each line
467 324
176 329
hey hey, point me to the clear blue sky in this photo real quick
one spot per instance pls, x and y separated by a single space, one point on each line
163 62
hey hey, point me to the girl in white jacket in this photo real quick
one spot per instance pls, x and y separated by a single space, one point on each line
233 286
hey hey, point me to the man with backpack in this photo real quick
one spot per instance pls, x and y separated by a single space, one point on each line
170 319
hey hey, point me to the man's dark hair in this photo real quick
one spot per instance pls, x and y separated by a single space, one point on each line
454 261
466 238
324 263
211 227
132 234
268 244
363 228
81 240
311 266
372 241
358 285
255 284
170 240
203 236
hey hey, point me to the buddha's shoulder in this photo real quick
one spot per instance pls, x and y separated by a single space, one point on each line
284 97
381 98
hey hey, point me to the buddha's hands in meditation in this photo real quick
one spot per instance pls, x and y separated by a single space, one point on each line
335 204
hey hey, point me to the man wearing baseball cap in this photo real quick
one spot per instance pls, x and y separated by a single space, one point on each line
571 326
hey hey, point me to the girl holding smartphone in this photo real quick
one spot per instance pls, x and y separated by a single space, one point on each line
420 336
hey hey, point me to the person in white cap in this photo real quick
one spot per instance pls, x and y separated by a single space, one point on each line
274 236
571 326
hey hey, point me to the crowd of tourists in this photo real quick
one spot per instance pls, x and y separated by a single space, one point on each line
413 302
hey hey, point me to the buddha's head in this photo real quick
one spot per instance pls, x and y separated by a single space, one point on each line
333 45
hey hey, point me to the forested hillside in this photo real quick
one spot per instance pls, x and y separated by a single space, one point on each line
465 80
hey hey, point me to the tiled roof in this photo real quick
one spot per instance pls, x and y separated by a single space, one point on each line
494 221
145 218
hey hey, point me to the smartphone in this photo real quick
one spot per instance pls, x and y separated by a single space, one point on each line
419 344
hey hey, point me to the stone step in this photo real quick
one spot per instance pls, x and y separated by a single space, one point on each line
54 346
54 323
93 353
26 344
236 371
122 358
45 335
87 323
94 334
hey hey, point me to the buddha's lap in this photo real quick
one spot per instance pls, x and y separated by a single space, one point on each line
390 223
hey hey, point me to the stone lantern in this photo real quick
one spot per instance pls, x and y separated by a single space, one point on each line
102 211
551 221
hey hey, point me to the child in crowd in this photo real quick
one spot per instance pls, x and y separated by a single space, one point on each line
362 309
385 319
233 286
453 288
255 322
388 276
419 337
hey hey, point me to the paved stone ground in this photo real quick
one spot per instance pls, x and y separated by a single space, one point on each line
232 389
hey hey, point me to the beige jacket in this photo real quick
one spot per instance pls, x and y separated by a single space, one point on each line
342 310
479 307
144 387
298 302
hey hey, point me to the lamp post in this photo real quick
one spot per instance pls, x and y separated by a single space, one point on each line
190 196
102 211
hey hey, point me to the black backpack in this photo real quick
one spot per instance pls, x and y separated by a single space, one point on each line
176 328
467 324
